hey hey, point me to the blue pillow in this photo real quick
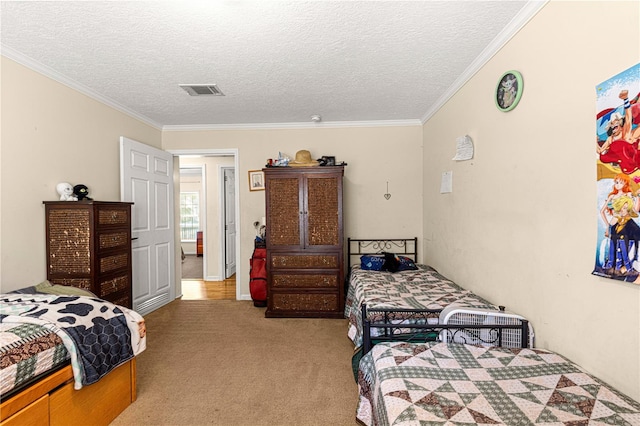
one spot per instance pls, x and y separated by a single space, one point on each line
406 264
371 262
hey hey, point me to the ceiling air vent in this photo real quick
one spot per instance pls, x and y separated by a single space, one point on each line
202 89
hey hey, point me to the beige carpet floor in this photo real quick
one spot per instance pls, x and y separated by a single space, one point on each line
222 362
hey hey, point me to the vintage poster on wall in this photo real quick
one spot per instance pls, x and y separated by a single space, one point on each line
618 167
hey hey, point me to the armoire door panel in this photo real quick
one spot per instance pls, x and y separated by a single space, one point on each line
284 211
323 211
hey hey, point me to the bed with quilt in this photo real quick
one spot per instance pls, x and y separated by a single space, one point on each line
403 292
439 383
67 357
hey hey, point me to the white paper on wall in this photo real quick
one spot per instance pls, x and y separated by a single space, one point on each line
447 182
464 148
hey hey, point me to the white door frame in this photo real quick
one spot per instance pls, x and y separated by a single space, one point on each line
236 164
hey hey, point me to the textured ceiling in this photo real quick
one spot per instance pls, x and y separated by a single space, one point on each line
277 62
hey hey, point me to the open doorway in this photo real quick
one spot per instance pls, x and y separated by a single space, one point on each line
193 214
217 201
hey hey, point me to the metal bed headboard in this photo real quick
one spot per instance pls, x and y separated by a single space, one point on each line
402 246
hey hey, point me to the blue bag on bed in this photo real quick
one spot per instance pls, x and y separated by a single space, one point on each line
371 262
406 264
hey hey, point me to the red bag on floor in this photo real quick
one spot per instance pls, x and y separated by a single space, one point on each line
258 277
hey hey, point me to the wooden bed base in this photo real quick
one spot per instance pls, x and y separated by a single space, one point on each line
53 401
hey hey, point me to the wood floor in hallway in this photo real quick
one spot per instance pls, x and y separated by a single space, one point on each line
209 290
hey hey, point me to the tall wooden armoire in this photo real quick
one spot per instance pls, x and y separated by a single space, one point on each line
305 259
89 246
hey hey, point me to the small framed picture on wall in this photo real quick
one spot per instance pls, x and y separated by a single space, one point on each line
256 180
509 90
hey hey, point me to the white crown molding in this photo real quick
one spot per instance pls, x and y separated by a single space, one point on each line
516 24
60 78
265 126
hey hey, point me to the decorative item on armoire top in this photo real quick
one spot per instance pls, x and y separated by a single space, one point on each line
65 190
303 159
387 195
326 160
509 90
281 161
82 192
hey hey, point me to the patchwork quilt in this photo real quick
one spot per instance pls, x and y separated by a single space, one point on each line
98 335
454 384
27 350
424 288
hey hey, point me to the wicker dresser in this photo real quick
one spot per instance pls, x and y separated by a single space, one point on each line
305 261
89 246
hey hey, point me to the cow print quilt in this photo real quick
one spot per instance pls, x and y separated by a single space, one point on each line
98 335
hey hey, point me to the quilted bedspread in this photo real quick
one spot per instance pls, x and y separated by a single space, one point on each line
27 350
98 335
454 384
424 288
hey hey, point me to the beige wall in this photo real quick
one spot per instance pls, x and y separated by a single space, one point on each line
374 156
520 226
52 134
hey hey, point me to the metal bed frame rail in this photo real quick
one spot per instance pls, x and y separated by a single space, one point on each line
423 331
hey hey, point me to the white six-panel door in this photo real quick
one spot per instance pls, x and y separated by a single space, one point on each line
146 179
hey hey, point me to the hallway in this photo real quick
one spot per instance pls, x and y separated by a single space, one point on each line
195 288
209 290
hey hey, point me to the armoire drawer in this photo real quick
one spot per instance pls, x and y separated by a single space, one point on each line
305 261
113 285
118 299
83 283
116 261
319 302
282 280
113 216
113 240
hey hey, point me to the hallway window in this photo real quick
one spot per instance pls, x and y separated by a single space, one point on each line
189 215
